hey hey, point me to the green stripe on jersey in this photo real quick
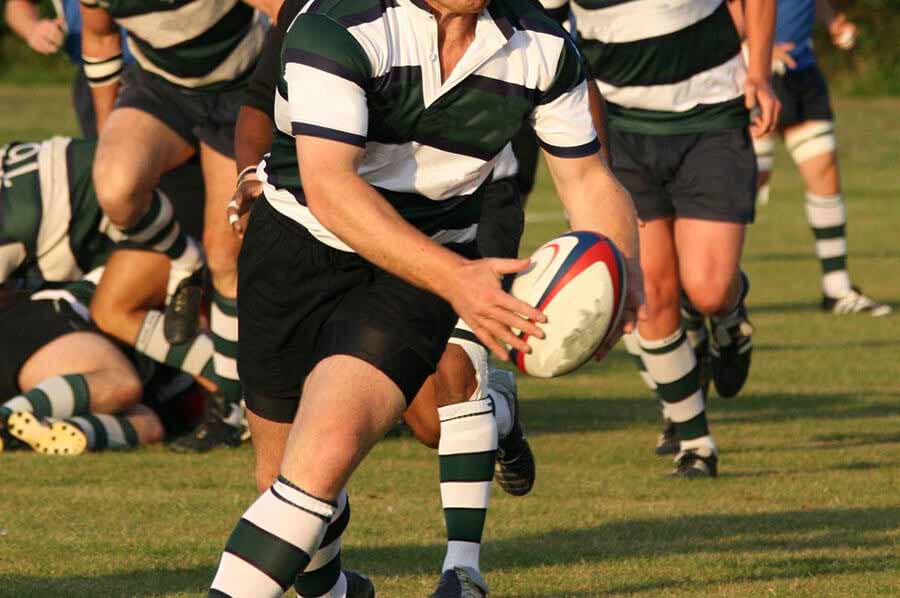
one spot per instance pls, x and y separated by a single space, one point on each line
668 58
705 117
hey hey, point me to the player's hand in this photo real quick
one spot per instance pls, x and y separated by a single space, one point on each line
491 313
46 36
781 57
843 32
633 310
248 191
763 105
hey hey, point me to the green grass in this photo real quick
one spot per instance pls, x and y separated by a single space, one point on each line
806 504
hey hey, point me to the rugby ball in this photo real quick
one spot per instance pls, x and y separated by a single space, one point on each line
578 281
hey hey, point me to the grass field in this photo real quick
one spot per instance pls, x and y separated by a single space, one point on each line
807 502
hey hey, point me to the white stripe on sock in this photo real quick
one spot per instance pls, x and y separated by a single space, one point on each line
115 436
687 409
168 240
462 554
225 366
674 365
62 399
465 495
705 445
827 248
165 215
223 325
467 427
151 339
239 579
825 212
19 403
283 520
198 355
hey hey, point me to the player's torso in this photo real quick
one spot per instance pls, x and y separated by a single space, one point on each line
201 44
664 66
49 212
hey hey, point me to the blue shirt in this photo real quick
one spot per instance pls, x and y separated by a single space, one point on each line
794 23
72 44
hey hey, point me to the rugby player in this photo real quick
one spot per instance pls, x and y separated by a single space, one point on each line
193 58
678 97
807 126
65 387
344 297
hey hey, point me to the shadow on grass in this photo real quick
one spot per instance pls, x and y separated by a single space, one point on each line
825 346
127 584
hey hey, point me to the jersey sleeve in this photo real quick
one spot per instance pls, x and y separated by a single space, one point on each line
562 118
326 72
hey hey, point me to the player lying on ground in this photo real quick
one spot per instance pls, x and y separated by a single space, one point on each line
65 387
180 99
678 97
351 282
807 126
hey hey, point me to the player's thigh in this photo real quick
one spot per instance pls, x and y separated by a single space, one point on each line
78 353
133 281
269 439
709 254
134 149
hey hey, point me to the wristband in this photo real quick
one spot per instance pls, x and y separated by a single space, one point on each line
246 173
103 71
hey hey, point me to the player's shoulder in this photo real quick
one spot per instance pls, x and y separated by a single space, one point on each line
349 13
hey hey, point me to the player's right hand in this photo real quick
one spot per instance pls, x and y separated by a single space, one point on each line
491 313
843 32
46 36
763 105
248 191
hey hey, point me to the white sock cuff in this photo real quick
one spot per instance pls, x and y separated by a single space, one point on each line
468 427
465 409
659 343
478 356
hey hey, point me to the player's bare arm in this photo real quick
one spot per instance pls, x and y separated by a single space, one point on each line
252 139
842 31
349 207
101 47
759 21
44 36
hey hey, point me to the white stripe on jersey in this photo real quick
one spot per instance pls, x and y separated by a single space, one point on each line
54 252
639 19
720 84
166 28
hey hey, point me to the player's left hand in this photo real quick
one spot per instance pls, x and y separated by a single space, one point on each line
843 32
763 105
634 310
249 189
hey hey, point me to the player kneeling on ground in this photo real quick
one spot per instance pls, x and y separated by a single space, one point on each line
350 282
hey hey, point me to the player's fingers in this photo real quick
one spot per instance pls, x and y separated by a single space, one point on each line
487 338
513 320
515 305
789 61
505 335
508 266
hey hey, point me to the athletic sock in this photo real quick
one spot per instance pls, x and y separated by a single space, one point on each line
694 322
827 217
194 356
105 431
323 577
272 543
223 324
672 365
466 451
60 396
633 348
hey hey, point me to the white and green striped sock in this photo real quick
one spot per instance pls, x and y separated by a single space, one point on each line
105 431
59 396
194 356
223 324
323 577
827 217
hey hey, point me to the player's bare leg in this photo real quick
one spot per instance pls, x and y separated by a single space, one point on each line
812 145
666 353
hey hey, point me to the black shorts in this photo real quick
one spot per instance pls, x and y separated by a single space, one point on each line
25 327
207 116
803 95
708 176
302 301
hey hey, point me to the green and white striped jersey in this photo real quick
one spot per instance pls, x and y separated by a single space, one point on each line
367 73
664 66
77 294
51 226
199 44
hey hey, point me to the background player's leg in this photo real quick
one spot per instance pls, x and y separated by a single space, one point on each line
139 425
764 148
666 353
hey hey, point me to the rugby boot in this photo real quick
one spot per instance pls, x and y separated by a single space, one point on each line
691 464
514 468
667 443
46 437
182 317
731 347
460 582
221 426
855 302
358 585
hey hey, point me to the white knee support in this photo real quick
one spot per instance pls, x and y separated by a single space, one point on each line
477 354
813 139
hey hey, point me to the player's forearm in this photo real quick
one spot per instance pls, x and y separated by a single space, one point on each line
21 16
252 137
101 50
760 30
596 201
355 212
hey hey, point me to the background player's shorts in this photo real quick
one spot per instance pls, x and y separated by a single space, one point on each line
708 176
803 95
302 301
25 327
207 116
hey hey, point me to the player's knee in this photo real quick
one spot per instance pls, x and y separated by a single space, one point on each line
119 193
710 295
